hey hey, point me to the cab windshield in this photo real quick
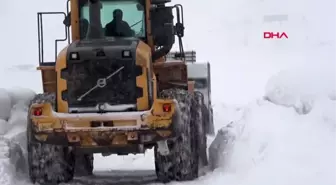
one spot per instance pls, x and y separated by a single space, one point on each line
119 18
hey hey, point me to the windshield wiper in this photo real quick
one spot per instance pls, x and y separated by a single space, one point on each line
136 23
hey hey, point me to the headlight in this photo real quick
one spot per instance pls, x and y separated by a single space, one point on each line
74 56
126 54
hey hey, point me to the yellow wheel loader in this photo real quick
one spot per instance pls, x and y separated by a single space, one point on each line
111 90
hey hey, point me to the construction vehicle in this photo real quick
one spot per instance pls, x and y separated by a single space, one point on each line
116 94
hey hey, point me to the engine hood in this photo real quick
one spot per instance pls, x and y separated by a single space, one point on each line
101 73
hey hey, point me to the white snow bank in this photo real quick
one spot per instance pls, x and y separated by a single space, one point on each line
9 98
283 89
13 118
6 171
13 110
298 88
3 127
276 145
20 95
14 106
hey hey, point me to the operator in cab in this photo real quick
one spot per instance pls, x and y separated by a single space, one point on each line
83 24
118 27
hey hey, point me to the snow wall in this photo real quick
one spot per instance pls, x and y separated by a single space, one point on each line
13 118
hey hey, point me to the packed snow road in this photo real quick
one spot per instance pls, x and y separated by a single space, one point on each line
117 177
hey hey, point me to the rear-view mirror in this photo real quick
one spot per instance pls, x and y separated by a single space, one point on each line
139 7
162 25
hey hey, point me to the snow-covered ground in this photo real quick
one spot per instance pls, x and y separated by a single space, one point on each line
280 95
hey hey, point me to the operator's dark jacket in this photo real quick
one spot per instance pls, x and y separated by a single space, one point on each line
118 29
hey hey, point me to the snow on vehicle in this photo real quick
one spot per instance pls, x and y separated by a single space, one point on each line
200 73
111 90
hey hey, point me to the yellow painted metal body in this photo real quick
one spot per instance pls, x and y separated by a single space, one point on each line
77 127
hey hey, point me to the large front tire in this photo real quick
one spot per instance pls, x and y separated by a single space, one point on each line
48 163
182 163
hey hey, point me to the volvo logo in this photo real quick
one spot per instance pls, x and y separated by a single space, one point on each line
101 107
101 82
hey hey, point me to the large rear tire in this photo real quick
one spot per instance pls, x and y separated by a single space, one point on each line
182 163
48 163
